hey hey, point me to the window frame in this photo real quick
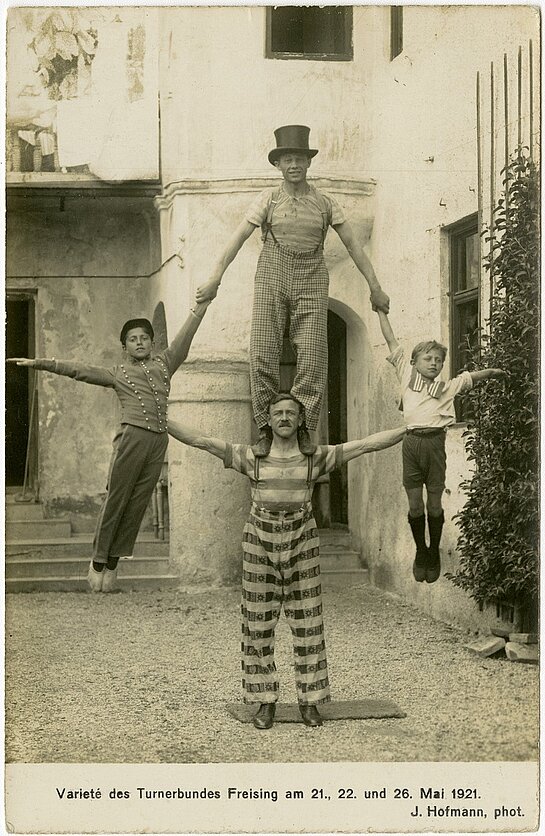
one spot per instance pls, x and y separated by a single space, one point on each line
347 55
457 233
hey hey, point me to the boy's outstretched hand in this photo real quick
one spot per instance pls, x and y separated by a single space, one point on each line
21 361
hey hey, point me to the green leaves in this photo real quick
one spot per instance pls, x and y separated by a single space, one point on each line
499 524
63 38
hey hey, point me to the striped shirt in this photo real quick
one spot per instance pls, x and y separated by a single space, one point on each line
297 222
282 483
420 409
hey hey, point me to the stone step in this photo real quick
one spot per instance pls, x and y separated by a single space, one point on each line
127 583
335 537
37 529
17 511
79 545
76 567
339 560
342 579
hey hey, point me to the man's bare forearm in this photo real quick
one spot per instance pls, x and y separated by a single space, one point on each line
194 438
373 443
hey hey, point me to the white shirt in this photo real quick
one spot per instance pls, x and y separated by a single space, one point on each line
420 409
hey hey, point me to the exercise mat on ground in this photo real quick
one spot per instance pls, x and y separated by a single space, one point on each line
347 710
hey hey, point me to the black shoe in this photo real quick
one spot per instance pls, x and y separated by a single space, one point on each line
264 717
310 715
420 565
306 446
262 447
433 569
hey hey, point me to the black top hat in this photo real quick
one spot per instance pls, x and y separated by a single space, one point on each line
291 138
136 323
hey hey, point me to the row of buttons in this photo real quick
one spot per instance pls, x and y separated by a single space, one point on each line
162 418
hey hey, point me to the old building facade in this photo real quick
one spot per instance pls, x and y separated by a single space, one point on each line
133 204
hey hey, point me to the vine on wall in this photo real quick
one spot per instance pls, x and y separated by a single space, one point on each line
65 44
499 524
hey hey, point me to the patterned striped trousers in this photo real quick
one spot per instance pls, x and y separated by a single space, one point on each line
293 284
281 566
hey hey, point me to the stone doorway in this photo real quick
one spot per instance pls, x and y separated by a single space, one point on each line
330 500
20 422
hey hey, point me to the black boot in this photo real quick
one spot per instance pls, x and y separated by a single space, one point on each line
264 717
310 715
306 444
262 447
418 528
435 527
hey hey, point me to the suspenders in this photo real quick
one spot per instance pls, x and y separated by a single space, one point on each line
274 199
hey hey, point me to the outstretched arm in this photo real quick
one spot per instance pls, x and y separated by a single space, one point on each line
178 349
377 441
387 331
96 375
193 438
209 289
486 374
379 299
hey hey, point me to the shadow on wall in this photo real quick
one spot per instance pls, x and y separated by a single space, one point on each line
159 324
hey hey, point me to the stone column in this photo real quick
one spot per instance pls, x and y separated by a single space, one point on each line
208 504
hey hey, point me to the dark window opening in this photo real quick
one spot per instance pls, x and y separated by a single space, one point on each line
464 295
396 31
310 32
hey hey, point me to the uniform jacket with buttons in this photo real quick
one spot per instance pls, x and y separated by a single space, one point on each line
142 386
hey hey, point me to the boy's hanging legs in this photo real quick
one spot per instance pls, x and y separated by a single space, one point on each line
417 522
424 463
436 519
135 468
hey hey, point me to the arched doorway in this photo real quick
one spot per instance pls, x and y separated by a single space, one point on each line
330 500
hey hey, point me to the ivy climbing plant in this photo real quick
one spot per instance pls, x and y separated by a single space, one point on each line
499 523
64 41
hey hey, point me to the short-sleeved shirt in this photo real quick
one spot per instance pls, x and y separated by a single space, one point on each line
297 222
420 409
282 483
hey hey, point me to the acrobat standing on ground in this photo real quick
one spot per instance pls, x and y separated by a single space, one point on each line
281 554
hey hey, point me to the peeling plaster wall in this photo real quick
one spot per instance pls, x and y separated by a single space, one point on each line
78 317
226 102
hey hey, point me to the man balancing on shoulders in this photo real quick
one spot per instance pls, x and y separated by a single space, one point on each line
281 553
291 282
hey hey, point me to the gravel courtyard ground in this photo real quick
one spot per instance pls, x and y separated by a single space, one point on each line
143 677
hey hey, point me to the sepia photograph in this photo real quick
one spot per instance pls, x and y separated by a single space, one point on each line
272 501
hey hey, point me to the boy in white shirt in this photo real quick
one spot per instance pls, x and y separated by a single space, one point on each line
428 409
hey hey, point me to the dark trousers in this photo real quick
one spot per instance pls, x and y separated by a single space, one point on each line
135 468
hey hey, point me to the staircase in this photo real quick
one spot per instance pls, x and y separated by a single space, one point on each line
340 562
43 555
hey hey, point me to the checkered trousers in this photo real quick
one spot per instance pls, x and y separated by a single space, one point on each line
281 567
295 285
